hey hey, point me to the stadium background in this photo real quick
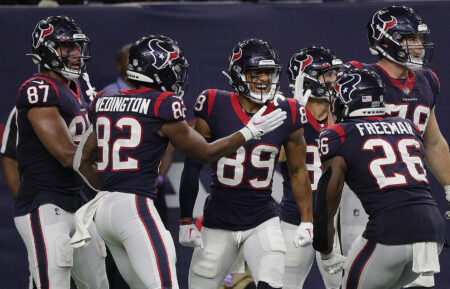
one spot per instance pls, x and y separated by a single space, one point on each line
207 32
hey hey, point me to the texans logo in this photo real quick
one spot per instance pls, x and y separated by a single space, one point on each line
346 88
162 57
299 63
42 30
236 55
379 26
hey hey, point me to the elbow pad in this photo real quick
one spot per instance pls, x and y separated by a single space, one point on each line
320 214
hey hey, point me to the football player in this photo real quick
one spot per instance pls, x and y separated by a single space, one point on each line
120 154
382 160
51 117
397 34
240 216
318 68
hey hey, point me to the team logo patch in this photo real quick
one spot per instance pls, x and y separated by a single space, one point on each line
347 87
380 26
42 30
162 57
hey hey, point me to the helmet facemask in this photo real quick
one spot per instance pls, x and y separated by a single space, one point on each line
257 89
73 56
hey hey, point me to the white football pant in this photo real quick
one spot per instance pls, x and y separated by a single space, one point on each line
46 233
262 247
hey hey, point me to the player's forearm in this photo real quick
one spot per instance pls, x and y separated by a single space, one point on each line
301 188
90 175
189 185
437 158
11 175
221 147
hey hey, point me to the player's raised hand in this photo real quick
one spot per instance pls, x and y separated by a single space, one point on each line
261 124
299 94
332 263
189 235
304 235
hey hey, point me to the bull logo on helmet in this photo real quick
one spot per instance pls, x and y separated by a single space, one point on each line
162 57
346 86
236 55
379 26
299 63
42 30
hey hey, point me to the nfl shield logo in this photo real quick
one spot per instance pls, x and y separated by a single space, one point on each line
405 90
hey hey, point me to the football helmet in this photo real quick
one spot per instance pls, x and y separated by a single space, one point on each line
313 62
158 60
358 93
254 54
389 30
59 44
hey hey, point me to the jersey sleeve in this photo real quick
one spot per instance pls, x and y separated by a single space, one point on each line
296 113
204 103
330 142
434 81
9 140
38 92
169 107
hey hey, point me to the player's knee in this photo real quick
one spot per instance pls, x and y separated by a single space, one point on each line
206 264
264 285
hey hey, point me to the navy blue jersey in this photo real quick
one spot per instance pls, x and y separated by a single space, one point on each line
44 179
413 99
385 168
289 211
129 146
242 182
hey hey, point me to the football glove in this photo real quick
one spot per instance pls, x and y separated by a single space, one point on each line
303 235
332 263
189 236
299 94
261 124
447 197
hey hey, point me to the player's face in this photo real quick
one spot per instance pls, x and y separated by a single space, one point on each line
71 52
328 78
415 46
260 80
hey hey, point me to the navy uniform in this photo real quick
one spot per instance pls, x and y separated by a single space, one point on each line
389 178
414 99
129 152
240 211
49 194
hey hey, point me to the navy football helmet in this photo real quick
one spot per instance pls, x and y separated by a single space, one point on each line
158 60
54 40
390 26
358 93
313 62
253 54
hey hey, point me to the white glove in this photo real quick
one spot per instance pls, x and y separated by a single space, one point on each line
299 94
261 124
332 263
189 236
303 235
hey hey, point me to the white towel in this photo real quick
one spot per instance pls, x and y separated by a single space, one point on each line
83 219
426 258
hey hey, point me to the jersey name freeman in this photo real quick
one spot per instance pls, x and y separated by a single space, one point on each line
384 128
121 104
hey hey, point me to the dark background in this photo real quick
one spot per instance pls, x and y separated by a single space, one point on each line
207 32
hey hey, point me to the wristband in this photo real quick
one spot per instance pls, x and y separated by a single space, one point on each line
246 133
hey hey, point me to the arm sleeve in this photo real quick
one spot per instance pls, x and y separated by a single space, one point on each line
9 140
189 185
